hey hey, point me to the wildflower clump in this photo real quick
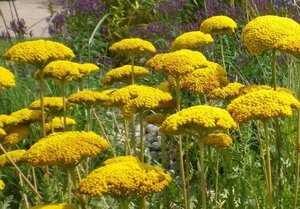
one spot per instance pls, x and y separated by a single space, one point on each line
265 32
17 156
124 74
65 148
218 25
7 79
263 104
218 140
191 40
55 206
132 46
38 52
122 178
230 91
197 118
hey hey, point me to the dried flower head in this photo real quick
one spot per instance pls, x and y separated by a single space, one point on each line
230 91
27 115
55 206
265 32
132 46
218 25
17 156
263 104
124 74
7 79
191 40
219 140
197 118
65 148
15 134
57 124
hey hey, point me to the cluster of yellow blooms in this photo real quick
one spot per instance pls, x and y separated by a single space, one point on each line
15 133
263 104
7 79
57 124
230 91
218 25
178 63
124 74
87 68
163 86
132 46
252 88
51 104
55 206
265 32
38 52
17 156
27 115
156 119
290 45
8 120
219 140
65 148
191 40
198 118
122 178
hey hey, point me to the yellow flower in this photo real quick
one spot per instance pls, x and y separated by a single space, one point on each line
252 88
156 119
178 63
2 133
200 118
191 40
38 52
136 98
218 25
265 32
65 148
290 44
15 134
124 74
90 97
55 206
163 86
27 116
132 46
57 123
87 68
263 104
17 157
51 104
124 178
204 80
219 140
8 120
121 159
230 91
7 79
2 185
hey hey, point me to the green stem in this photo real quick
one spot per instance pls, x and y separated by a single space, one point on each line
124 204
217 176
274 69
202 175
127 146
164 203
142 203
133 138
132 69
222 53
42 90
64 106
89 118
142 142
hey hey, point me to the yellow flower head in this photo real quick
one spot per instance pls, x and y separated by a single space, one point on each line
57 124
290 44
7 79
197 118
51 104
8 120
230 91
218 25
163 86
2 133
54 206
87 68
121 159
136 98
156 119
124 74
191 40
2 185
27 116
219 140
204 80
17 157
132 46
15 134
263 104
265 32
252 88
124 178
178 63
65 148
38 52
90 97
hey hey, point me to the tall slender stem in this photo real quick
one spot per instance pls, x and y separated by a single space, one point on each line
142 202
42 89
142 142
127 146
222 52
132 69
217 176
274 69
124 204
63 86
202 175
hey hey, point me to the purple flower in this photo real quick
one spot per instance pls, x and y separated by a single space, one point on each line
19 27
170 7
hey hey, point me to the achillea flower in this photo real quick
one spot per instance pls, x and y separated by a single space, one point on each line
124 178
218 25
124 74
178 63
230 91
290 44
65 148
8 120
17 157
263 104
204 80
7 79
51 104
15 134
156 119
90 98
54 206
163 86
57 124
2 133
252 88
27 116
136 98
197 118
38 52
266 32
121 159
219 140
191 40
132 46
87 68
2 185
